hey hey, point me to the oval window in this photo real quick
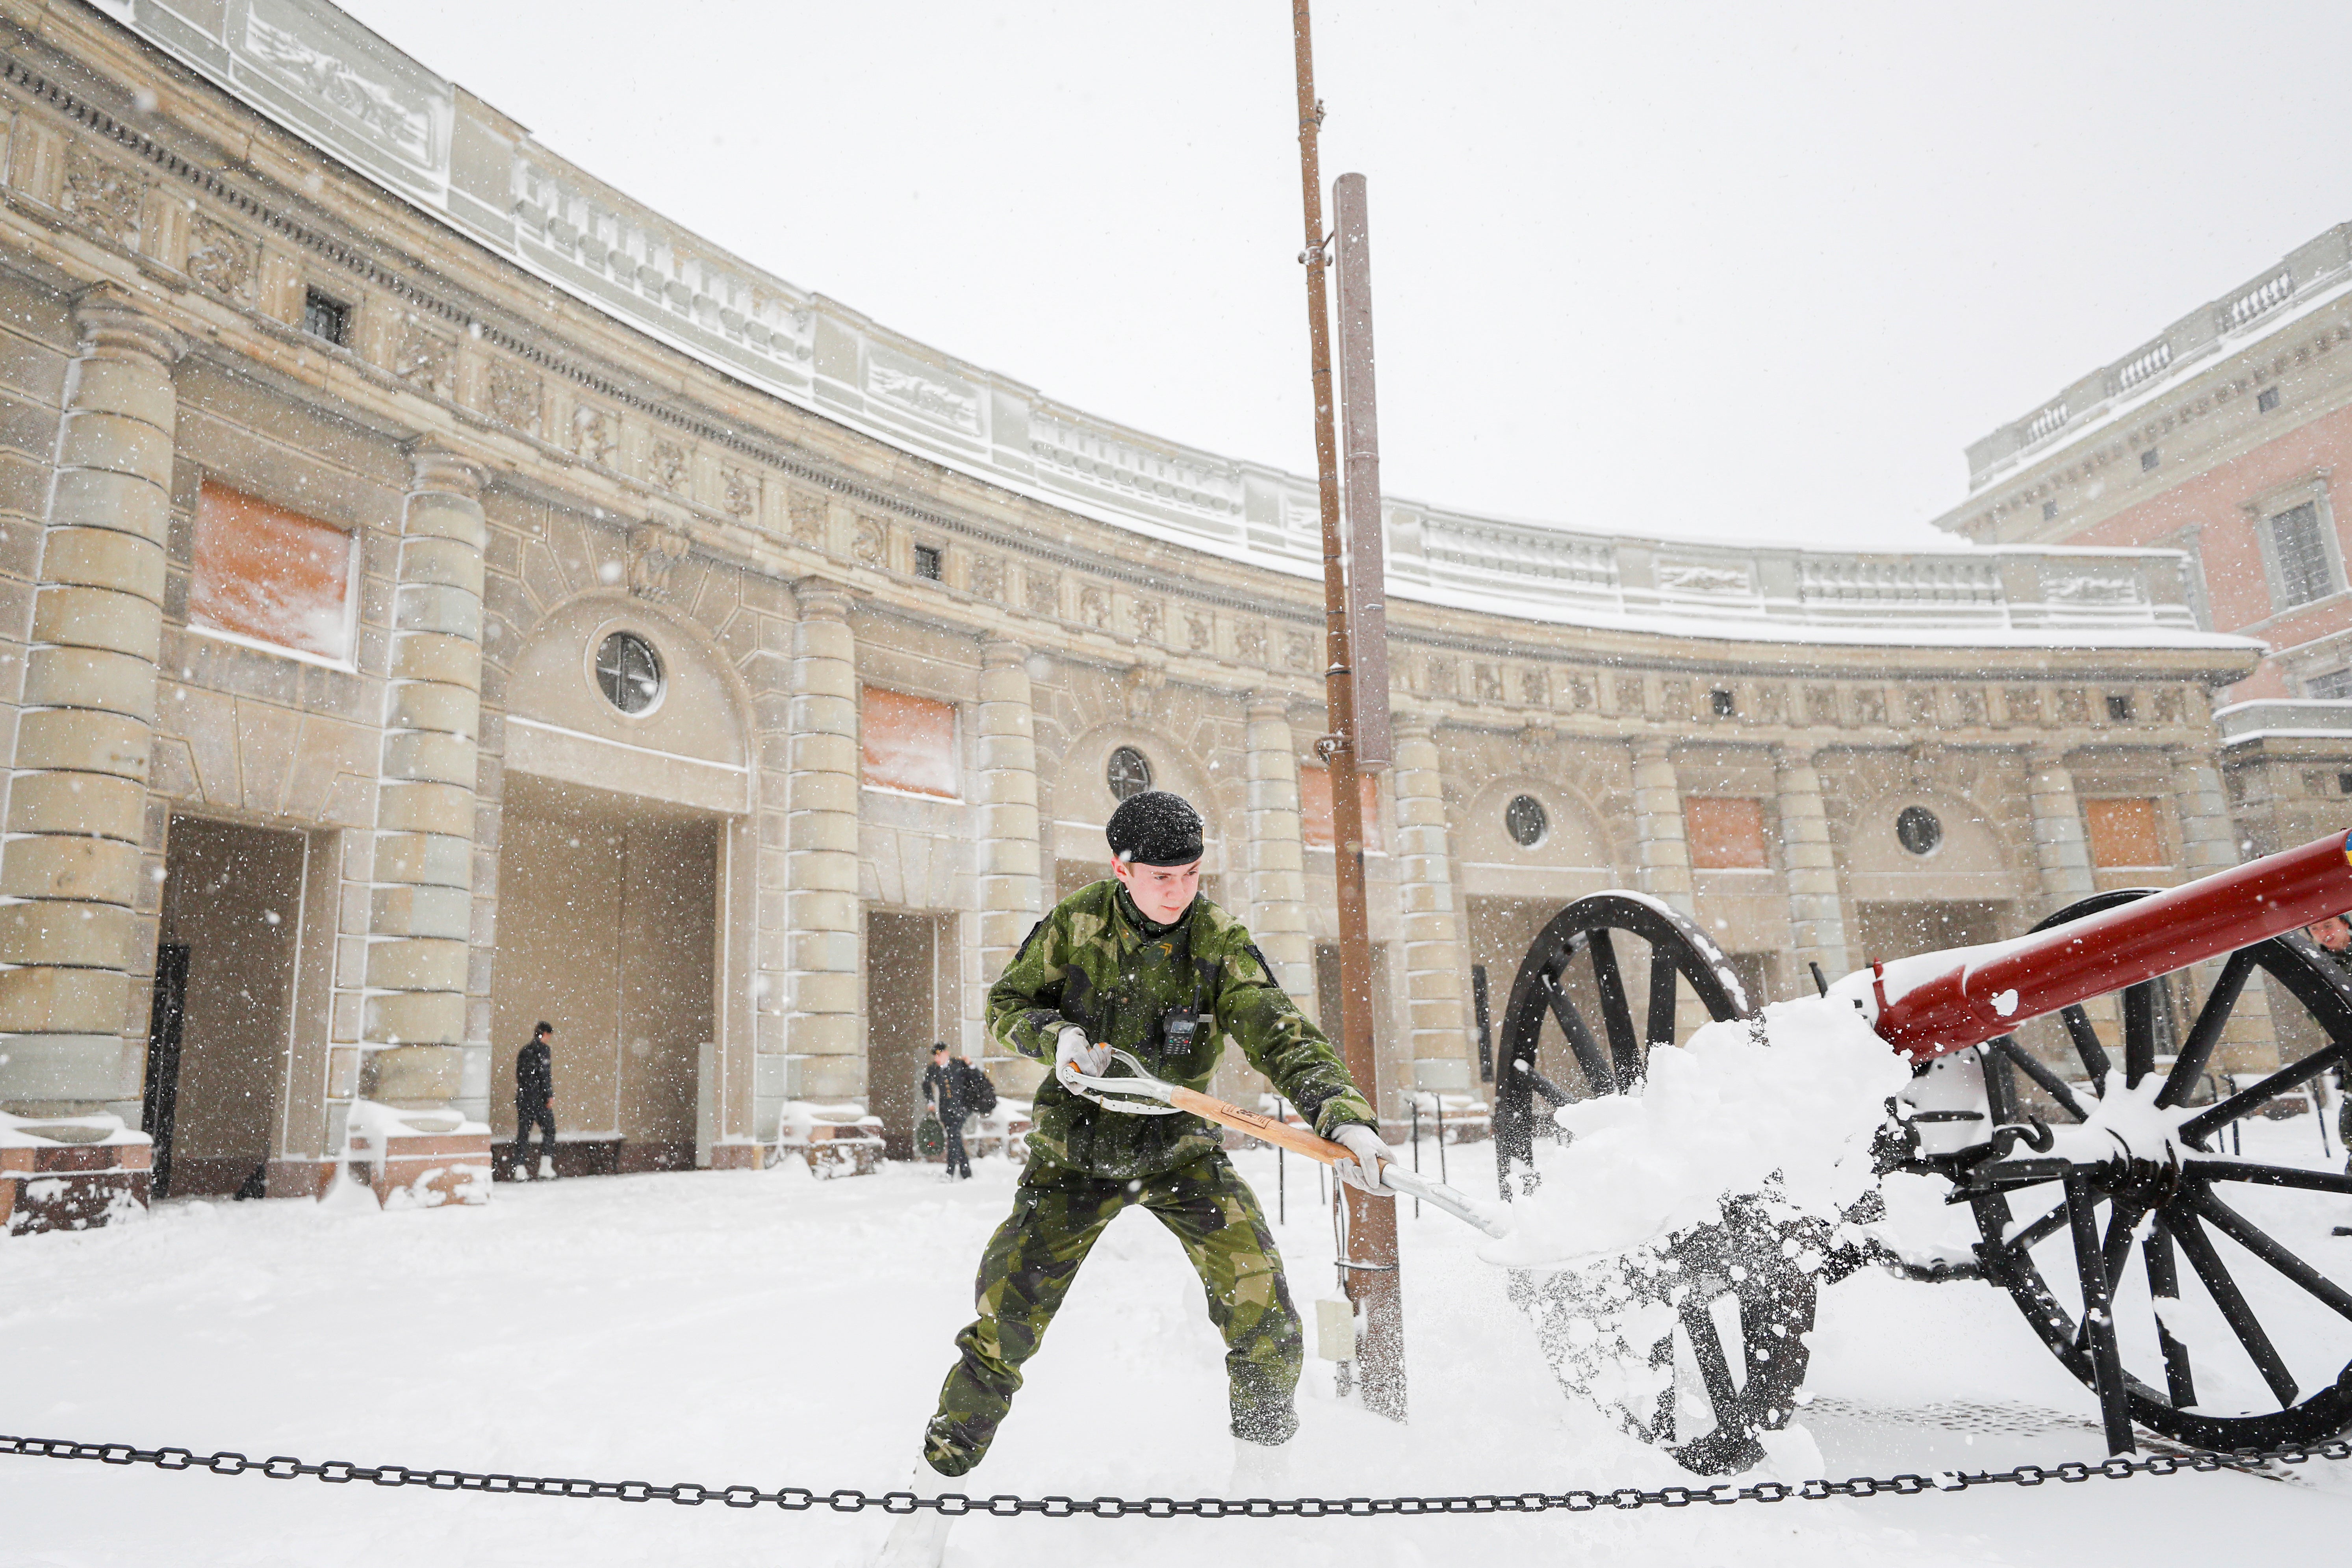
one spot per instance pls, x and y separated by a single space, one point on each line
1128 773
1918 830
1525 820
629 672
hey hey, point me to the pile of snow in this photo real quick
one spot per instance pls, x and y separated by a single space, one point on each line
1784 1106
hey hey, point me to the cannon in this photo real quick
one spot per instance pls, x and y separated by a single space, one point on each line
2163 1229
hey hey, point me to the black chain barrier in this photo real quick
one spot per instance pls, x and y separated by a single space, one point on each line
799 1499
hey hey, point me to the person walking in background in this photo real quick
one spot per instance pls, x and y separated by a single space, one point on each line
535 1103
944 1093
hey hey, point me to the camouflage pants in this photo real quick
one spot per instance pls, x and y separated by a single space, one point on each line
1035 1256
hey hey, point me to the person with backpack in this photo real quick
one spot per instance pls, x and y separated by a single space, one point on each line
948 1092
535 1104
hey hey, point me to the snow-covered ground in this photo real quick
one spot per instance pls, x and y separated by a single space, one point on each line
765 1326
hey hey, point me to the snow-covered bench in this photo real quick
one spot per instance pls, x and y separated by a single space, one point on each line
834 1140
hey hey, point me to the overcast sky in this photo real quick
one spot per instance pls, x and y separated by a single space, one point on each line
1729 270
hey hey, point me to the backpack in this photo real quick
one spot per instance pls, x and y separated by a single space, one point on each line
979 1091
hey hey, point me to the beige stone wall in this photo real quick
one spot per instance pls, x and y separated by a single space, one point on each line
518 479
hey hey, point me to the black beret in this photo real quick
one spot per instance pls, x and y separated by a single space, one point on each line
1153 828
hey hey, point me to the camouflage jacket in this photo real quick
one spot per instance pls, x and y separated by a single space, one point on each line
1089 962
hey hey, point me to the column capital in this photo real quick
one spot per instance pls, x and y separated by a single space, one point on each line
1791 755
2038 757
1653 749
436 469
1000 652
821 599
115 324
1413 727
1263 705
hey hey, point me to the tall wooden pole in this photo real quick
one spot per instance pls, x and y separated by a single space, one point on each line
1368 1271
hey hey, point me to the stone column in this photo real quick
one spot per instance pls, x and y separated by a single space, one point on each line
2061 852
1815 914
1011 880
822 1021
1434 964
2208 843
1663 853
77 797
421 907
1277 853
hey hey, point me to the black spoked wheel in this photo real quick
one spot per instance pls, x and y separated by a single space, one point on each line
1610 971
2206 1301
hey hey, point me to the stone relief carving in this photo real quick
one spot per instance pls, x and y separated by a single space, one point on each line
219 258
1919 705
511 392
376 105
1298 650
1820 705
1094 606
2024 704
1971 701
1870 706
742 493
1445 677
1629 694
1686 578
104 198
1142 691
921 394
1487 680
595 435
1582 693
987 578
2169 706
1200 631
2074 705
808 514
1148 614
1676 697
1772 704
1044 593
653 553
1249 642
423 359
1535 687
872 545
668 465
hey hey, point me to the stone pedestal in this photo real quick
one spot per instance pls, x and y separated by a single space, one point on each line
1432 927
1816 916
1010 879
823 1024
69 1023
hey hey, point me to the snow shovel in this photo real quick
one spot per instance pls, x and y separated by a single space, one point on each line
1143 1095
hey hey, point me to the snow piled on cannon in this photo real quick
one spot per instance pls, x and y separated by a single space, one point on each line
1671 1255
1783 1105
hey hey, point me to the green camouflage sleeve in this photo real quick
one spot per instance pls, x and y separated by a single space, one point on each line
1282 1042
1024 1005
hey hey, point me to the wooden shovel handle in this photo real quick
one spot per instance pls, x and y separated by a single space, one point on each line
1298 1139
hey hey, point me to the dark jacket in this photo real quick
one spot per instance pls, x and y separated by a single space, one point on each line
534 1074
943 1088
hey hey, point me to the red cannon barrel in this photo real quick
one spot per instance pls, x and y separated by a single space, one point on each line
1940 1002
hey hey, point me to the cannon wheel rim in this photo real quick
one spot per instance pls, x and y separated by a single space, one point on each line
1698 962
2318 1416
1613 1059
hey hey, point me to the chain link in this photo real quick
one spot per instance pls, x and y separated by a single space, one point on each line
800 1500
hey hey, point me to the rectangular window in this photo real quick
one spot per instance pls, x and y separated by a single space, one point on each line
2333 686
909 745
2120 707
1314 808
2125 833
2267 399
2148 460
2301 549
273 576
927 562
1725 835
327 318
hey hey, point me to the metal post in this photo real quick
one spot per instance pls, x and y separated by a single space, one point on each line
1416 1147
1485 1023
1368 1273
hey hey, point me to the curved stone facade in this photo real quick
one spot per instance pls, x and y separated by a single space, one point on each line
362 316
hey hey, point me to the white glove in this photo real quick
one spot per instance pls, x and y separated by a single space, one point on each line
1072 1046
1371 1152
